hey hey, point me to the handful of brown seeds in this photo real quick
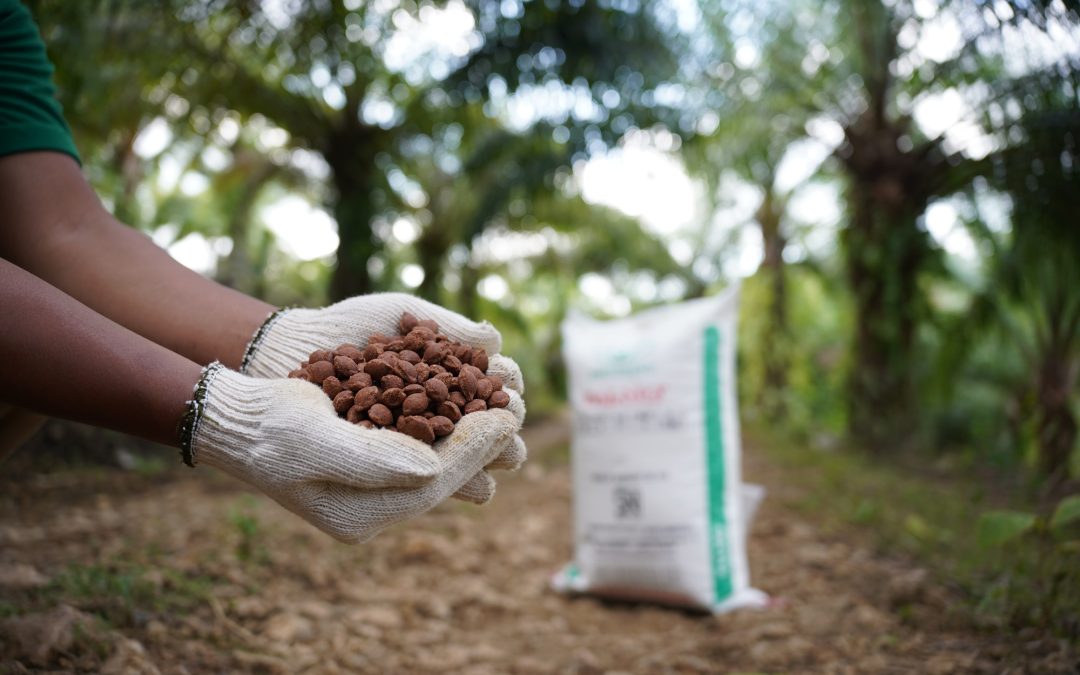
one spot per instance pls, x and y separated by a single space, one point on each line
419 382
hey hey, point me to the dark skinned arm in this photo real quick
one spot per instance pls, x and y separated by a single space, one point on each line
55 227
63 359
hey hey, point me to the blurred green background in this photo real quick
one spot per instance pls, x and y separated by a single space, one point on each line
896 184
896 181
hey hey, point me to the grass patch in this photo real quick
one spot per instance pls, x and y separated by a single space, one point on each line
250 547
1033 581
117 591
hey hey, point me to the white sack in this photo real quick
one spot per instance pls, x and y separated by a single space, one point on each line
659 505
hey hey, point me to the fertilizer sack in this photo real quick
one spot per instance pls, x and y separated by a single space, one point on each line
659 507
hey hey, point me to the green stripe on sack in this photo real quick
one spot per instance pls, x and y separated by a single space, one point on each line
714 456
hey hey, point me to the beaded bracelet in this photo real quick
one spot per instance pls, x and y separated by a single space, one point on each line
189 422
256 340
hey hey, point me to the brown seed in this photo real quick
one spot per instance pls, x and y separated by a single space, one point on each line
358 381
436 390
449 410
423 372
391 382
417 427
475 405
332 386
457 398
395 345
406 370
355 414
344 367
436 369
413 342
377 368
428 414
367 424
429 324
499 399
381 415
467 380
320 370
415 404
372 352
442 426
451 363
407 323
463 352
480 360
484 388
389 356
350 350
378 339
446 378
392 397
320 355
496 382
410 356
366 397
434 351
479 373
476 372
343 401
299 374
426 333
414 389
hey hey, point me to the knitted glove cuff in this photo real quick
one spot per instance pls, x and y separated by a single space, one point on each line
259 336
189 421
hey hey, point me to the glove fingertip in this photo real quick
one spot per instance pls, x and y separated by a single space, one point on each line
488 338
516 407
479 489
508 371
511 458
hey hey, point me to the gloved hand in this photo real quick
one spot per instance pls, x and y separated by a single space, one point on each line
283 437
290 335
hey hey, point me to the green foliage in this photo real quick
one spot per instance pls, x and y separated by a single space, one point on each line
1067 512
1037 580
996 528
116 590
249 546
1014 569
813 397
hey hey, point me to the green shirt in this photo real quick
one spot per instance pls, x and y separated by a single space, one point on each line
30 115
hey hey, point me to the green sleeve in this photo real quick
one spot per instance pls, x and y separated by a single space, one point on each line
30 115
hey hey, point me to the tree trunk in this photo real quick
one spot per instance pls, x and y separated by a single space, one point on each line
351 153
775 338
470 279
1055 424
238 270
885 251
130 171
431 250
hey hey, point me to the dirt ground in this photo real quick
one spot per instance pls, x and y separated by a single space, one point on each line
190 572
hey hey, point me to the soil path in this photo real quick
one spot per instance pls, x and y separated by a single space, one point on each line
219 579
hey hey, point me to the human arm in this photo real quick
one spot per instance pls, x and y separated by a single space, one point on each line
63 359
282 436
56 228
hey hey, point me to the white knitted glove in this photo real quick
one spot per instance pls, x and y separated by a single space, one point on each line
289 336
283 437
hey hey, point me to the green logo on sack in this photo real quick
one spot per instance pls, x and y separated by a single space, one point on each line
625 362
